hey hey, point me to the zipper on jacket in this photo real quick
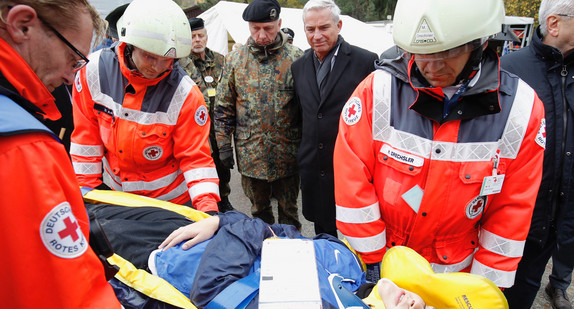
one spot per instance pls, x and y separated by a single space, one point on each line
564 74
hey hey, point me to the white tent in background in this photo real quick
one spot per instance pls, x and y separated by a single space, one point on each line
225 18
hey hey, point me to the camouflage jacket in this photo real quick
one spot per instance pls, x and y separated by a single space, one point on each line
255 103
205 73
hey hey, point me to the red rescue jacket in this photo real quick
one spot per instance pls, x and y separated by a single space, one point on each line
143 136
402 177
48 261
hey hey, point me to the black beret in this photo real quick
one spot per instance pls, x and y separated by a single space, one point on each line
196 23
262 11
288 32
112 19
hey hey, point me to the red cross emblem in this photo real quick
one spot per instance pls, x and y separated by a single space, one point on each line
352 111
201 115
541 135
476 207
70 230
153 152
61 233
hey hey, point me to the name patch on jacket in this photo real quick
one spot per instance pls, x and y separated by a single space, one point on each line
62 234
103 109
402 156
352 111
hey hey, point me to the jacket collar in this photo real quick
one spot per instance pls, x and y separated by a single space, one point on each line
481 99
203 64
261 52
22 79
549 54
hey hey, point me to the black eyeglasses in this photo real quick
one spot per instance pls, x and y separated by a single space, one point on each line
567 15
79 63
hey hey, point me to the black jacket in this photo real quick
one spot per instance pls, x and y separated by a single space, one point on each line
552 76
321 124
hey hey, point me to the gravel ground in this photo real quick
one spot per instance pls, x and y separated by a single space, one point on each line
542 300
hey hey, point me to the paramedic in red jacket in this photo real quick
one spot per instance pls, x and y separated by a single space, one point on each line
47 262
141 124
439 150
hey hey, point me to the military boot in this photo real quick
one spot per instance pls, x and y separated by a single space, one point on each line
558 297
224 205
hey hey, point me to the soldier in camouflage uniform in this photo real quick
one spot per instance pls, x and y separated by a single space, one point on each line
255 103
204 66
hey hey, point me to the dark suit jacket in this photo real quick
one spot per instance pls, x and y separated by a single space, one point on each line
321 124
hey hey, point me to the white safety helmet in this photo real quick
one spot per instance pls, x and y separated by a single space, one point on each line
431 26
159 27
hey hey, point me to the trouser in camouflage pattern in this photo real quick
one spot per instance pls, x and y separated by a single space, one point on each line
285 190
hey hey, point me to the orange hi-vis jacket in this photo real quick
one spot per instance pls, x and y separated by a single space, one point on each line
143 136
405 177
47 260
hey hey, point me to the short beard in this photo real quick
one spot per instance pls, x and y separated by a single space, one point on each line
198 50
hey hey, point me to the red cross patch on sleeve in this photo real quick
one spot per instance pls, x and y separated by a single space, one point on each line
62 234
352 111
78 83
541 136
201 115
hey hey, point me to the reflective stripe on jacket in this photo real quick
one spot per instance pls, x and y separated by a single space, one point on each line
144 136
404 179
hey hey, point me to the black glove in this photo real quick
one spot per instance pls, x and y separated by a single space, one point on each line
226 156
373 273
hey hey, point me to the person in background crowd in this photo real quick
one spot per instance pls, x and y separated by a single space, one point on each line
547 64
255 103
112 18
324 79
111 30
204 66
290 34
438 150
45 225
141 123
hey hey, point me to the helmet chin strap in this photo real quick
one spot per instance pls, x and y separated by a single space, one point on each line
471 67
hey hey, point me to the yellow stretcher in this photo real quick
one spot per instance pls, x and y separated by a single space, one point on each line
139 279
401 265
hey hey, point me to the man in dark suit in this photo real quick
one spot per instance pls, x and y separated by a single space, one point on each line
324 78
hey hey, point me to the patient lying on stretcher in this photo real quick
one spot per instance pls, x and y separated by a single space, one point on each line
400 265
135 232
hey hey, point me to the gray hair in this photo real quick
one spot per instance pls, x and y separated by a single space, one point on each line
322 4
553 7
